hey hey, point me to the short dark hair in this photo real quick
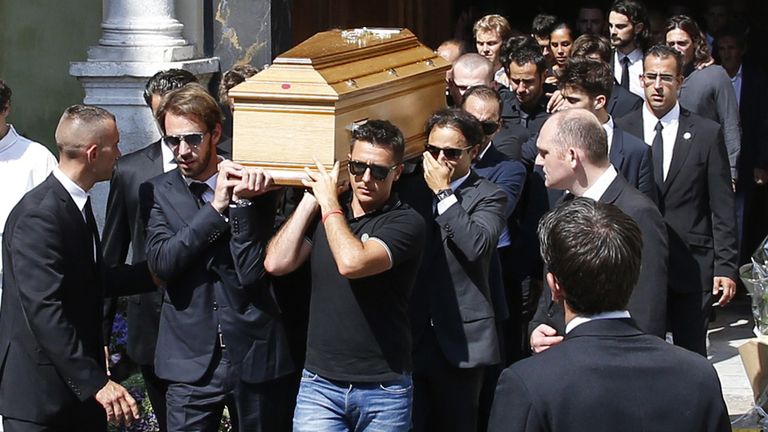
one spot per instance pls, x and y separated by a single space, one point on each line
236 75
190 100
592 76
91 119
664 51
543 24
484 93
5 95
522 50
587 44
637 13
593 249
461 121
381 133
701 52
165 81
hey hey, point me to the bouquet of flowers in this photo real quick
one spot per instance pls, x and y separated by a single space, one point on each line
755 278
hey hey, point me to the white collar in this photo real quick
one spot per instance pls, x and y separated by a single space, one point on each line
166 153
579 320
670 117
738 74
634 55
600 185
9 138
210 181
485 150
79 196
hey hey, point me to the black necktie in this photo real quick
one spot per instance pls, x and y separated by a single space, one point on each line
625 73
93 228
657 149
198 189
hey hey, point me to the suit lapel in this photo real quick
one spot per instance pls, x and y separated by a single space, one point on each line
176 191
155 155
76 220
616 155
614 190
468 192
683 141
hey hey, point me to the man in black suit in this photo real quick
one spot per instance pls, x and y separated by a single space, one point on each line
574 156
53 368
123 228
220 341
586 83
692 174
452 316
607 375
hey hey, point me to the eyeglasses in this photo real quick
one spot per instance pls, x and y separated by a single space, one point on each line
650 78
378 172
489 126
449 153
193 139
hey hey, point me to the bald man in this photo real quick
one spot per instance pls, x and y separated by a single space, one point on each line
54 376
469 70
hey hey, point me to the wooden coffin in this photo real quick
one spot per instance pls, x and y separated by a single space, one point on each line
308 101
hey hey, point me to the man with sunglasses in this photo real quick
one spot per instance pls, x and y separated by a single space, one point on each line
452 312
693 180
365 249
221 343
123 229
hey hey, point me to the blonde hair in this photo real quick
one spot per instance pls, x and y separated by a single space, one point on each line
493 23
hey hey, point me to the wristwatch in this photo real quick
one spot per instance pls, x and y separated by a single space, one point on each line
242 202
443 194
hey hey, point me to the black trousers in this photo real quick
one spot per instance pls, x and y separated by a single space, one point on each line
688 316
89 416
252 407
156 389
445 398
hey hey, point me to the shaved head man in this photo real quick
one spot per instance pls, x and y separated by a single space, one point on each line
470 70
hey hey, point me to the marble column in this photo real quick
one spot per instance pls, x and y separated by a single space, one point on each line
139 38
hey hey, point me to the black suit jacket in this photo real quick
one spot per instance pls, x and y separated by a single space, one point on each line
622 101
51 345
213 270
609 376
632 158
452 288
123 228
648 304
754 123
697 203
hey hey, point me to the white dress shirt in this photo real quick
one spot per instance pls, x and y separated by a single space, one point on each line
443 205
635 70
579 320
169 160
600 185
736 81
79 196
670 123
609 126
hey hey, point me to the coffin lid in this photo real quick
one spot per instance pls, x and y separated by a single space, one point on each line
332 63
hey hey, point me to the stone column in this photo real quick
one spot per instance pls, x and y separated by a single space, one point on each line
139 38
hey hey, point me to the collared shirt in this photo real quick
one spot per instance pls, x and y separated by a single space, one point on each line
600 185
635 70
670 123
501 77
79 196
579 320
169 160
445 204
736 82
609 126
211 182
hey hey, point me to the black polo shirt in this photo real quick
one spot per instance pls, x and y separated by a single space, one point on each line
358 328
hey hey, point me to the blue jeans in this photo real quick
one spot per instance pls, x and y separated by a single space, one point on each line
331 406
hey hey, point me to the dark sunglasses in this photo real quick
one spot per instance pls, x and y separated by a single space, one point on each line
450 153
489 126
378 172
193 139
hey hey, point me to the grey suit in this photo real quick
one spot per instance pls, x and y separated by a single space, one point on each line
451 309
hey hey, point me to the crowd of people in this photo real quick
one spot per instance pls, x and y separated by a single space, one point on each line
550 262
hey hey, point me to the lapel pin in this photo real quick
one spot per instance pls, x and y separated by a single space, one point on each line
687 135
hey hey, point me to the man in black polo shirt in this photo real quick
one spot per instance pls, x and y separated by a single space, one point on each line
365 251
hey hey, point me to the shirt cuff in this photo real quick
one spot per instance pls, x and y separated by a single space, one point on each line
444 205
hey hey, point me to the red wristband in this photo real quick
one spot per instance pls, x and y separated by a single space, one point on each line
331 213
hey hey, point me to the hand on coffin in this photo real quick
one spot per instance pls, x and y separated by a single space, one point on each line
253 182
324 185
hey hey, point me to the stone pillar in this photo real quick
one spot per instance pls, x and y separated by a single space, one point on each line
139 38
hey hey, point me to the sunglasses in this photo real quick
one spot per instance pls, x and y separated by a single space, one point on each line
378 172
450 153
193 139
489 126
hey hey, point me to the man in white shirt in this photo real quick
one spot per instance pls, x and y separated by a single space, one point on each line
23 163
628 29
573 153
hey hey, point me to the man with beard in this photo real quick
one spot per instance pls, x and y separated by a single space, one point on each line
628 30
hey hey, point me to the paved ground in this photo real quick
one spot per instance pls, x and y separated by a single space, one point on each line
732 328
